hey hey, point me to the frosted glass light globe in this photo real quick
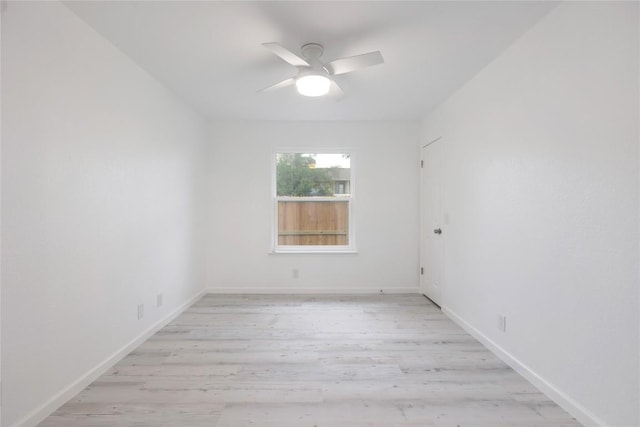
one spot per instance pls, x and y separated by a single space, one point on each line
313 85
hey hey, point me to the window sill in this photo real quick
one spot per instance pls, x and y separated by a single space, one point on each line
306 251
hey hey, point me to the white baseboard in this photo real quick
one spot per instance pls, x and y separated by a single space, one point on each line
300 290
565 402
50 406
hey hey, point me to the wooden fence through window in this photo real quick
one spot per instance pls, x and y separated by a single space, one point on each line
313 222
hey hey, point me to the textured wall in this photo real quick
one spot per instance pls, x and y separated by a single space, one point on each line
541 187
100 172
385 173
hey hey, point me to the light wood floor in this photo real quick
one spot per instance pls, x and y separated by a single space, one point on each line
317 361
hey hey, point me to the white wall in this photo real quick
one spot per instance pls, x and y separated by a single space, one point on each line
2 8
100 183
386 209
542 192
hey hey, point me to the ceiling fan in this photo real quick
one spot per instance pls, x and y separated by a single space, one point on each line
314 78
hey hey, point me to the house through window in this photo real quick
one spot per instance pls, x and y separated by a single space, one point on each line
313 202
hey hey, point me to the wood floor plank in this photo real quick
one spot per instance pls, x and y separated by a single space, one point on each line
311 360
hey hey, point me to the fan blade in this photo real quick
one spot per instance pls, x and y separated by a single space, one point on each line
353 63
335 91
286 54
279 85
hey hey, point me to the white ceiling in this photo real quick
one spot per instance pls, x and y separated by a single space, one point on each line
210 53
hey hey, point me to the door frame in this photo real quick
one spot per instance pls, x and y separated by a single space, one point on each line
423 226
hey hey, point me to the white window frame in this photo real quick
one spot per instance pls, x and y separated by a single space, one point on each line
317 249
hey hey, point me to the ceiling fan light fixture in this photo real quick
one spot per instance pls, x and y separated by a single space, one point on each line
314 76
313 85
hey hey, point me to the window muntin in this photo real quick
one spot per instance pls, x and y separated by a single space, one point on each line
313 202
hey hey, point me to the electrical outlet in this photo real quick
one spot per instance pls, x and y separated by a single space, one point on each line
295 273
140 311
502 322
159 300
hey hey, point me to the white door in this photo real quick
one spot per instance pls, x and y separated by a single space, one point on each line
431 243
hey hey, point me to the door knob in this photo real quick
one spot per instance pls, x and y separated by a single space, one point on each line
437 231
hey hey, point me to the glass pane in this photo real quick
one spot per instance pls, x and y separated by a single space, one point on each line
313 175
304 219
313 222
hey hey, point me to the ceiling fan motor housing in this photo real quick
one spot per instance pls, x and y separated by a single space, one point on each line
312 53
312 50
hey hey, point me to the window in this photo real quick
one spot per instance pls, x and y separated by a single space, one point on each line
313 197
